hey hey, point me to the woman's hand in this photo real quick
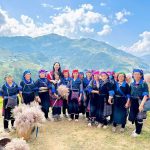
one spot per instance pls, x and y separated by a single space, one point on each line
110 101
128 104
37 99
95 92
79 98
53 81
141 107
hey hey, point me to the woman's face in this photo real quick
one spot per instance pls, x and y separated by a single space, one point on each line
104 77
128 79
121 77
81 76
56 66
137 76
28 76
9 80
89 75
96 77
75 75
42 75
66 75
57 77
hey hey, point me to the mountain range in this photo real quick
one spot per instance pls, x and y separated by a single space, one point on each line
22 52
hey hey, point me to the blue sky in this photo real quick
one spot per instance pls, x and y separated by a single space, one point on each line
124 24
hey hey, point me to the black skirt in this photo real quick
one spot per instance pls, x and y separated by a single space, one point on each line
97 107
45 100
134 111
73 104
120 112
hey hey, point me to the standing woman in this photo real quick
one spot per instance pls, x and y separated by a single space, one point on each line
139 95
113 82
9 94
83 98
56 69
121 102
93 89
76 90
65 81
106 94
86 82
43 97
27 88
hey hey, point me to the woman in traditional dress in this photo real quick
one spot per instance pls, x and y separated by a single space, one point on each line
139 95
83 98
76 90
86 82
93 90
65 81
121 102
9 92
44 86
27 88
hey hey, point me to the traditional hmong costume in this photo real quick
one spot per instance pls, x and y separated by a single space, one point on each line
113 82
76 88
65 81
56 103
10 100
44 86
82 105
28 89
99 107
86 82
106 90
93 105
138 91
122 94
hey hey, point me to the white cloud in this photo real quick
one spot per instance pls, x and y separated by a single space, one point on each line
70 22
2 18
45 5
140 47
105 31
121 16
87 6
87 30
102 4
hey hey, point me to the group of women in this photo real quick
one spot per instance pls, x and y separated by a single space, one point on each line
103 97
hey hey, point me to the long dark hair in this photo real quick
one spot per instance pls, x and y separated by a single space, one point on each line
59 70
